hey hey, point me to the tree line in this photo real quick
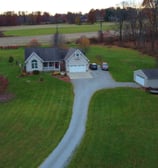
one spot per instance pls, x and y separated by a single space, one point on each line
10 18
137 24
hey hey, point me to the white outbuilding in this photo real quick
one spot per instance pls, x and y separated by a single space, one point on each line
147 78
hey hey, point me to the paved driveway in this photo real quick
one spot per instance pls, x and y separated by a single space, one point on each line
83 89
80 75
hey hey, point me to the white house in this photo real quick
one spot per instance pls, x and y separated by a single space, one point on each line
53 59
147 78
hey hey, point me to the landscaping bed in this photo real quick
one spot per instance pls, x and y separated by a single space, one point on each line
61 76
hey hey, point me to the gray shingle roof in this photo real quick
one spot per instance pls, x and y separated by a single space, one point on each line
47 54
70 52
151 73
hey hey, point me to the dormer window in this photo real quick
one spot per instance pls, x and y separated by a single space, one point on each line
77 56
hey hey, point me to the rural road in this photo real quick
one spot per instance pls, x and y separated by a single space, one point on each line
44 39
83 90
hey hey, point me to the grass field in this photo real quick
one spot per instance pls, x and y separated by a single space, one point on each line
64 29
121 131
33 123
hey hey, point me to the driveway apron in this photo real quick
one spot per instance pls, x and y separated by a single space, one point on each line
83 90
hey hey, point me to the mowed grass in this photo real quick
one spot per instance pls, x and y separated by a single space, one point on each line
122 125
122 61
121 132
63 29
32 124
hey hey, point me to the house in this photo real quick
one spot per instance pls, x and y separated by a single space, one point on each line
54 59
147 78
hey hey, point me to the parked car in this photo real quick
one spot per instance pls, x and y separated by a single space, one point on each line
153 90
105 66
93 66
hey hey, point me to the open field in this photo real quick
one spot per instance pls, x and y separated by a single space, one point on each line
51 29
33 123
121 131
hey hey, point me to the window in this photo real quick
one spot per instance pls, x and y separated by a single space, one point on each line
45 64
56 65
51 64
77 56
34 64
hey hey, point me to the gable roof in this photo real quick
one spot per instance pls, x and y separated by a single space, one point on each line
151 73
73 50
47 54
70 52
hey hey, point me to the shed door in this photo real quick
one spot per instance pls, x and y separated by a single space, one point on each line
140 80
77 68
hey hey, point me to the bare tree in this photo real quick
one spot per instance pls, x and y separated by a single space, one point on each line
121 17
151 10
58 40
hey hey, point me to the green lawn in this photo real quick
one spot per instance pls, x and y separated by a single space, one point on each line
33 123
64 29
122 123
122 61
122 131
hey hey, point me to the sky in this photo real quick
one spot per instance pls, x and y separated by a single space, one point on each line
58 6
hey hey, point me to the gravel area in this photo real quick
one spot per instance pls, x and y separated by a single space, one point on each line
83 89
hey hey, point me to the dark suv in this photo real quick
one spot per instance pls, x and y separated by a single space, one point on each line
93 66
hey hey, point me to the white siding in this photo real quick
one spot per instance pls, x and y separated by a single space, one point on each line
29 67
77 62
140 80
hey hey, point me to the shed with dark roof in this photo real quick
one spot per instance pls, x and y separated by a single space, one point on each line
147 78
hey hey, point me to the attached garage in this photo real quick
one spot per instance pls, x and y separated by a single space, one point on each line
77 68
76 61
146 77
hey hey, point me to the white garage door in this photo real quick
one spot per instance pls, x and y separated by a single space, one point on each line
140 80
77 68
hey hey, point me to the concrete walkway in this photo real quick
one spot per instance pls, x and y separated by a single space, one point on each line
83 89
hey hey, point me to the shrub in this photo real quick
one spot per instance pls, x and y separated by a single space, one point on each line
34 43
11 59
36 72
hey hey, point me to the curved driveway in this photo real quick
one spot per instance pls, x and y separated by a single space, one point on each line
83 89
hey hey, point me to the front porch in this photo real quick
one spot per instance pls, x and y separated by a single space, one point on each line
51 66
